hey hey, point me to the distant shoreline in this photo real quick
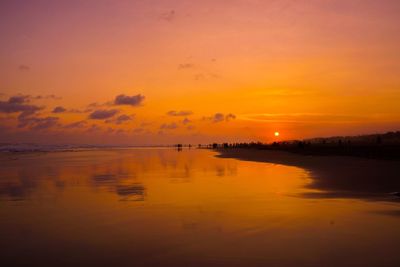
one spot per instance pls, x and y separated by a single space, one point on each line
19 149
335 176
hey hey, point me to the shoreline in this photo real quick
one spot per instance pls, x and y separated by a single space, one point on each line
334 176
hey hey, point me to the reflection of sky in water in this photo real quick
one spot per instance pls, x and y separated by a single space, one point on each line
166 208
115 173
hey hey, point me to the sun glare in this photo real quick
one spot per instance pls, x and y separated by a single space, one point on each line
276 134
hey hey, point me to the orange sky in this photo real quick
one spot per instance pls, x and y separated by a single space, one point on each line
235 70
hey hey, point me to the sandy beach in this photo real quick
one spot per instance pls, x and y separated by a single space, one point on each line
334 176
168 207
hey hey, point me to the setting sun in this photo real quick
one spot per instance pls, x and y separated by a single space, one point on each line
147 132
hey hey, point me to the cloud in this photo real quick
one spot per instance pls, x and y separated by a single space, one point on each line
17 104
23 67
230 116
73 110
179 113
78 124
185 66
135 100
102 114
186 121
138 130
94 105
19 99
169 126
120 131
54 97
120 119
59 109
121 99
20 104
93 128
36 123
110 130
168 16
44 123
123 118
220 117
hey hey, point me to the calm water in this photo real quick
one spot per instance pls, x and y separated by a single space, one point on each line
161 207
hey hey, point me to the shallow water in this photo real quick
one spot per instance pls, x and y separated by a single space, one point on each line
161 207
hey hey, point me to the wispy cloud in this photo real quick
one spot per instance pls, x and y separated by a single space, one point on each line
138 130
220 117
205 76
27 98
169 126
23 67
78 124
120 119
179 113
59 109
45 123
54 97
168 16
102 114
37 123
183 66
93 128
186 121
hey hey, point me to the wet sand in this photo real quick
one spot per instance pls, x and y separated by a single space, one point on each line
334 176
163 207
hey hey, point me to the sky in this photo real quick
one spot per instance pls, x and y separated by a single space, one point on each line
169 71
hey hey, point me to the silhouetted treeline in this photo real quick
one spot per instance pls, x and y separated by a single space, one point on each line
379 146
